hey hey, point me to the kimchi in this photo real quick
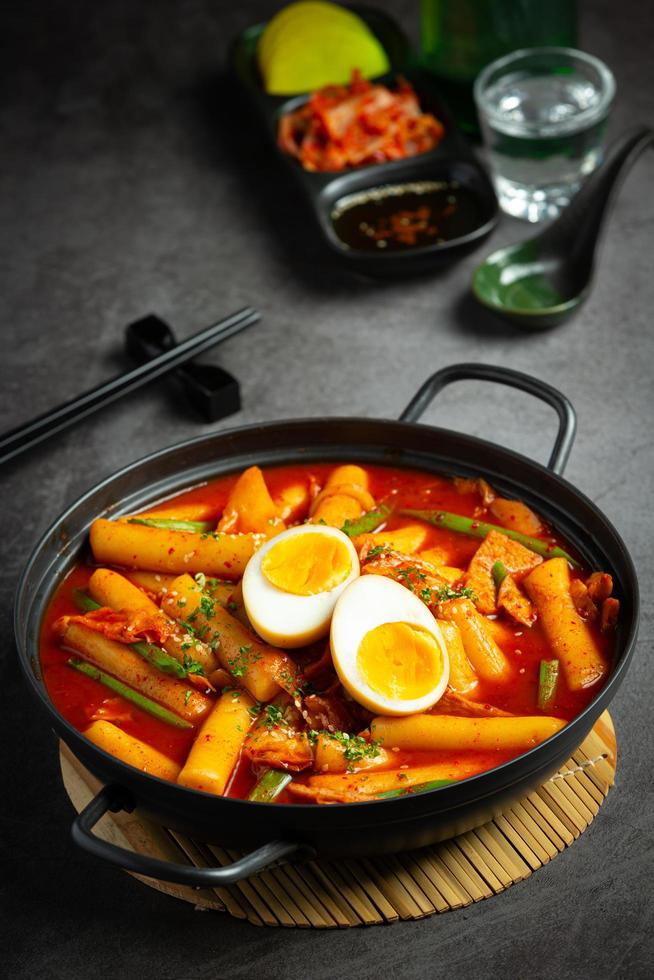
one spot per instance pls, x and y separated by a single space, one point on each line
356 125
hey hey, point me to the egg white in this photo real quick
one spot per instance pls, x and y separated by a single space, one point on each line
371 601
288 620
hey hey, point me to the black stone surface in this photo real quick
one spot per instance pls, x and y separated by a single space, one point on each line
133 182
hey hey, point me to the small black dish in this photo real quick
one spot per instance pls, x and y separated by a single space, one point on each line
451 164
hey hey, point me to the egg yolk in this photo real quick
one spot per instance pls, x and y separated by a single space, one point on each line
307 564
400 661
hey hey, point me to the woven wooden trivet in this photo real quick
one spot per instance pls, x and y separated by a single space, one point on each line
370 891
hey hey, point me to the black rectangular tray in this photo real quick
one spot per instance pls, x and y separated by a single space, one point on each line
451 160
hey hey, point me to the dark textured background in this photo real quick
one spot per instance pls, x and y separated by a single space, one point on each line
131 184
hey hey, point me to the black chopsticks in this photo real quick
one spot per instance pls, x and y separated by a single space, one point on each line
24 436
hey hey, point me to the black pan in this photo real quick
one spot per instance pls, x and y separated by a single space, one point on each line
280 831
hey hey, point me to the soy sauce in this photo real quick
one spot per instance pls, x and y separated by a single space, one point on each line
396 217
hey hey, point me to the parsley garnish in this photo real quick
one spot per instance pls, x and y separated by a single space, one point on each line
238 665
431 596
304 689
404 574
355 747
207 606
187 695
447 592
190 665
272 716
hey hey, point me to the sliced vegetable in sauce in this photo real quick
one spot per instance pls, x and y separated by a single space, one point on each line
367 523
164 662
479 529
149 651
172 524
410 790
548 678
140 700
84 602
270 785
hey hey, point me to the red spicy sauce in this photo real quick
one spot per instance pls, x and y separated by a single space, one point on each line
80 699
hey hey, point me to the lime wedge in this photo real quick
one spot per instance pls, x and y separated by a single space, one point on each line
313 11
312 43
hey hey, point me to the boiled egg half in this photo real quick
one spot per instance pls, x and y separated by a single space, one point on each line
291 585
387 647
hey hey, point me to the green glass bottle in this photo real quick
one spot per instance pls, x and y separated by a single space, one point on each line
460 37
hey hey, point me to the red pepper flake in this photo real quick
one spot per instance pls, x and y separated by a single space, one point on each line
404 226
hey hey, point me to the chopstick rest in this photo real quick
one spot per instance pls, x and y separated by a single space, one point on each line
31 433
213 392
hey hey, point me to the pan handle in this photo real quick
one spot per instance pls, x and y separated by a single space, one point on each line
113 799
514 379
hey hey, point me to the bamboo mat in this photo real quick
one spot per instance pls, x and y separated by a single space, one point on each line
370 891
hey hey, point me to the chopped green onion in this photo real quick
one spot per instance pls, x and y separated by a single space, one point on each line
270 785
140 700
479 529
367 522
548 677
149 651
499 571
448 592
84 602
172 524
159 659
420 788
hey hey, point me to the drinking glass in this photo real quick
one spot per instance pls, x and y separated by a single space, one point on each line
543 114
460 37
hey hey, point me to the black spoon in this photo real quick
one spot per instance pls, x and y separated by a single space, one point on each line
541 282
